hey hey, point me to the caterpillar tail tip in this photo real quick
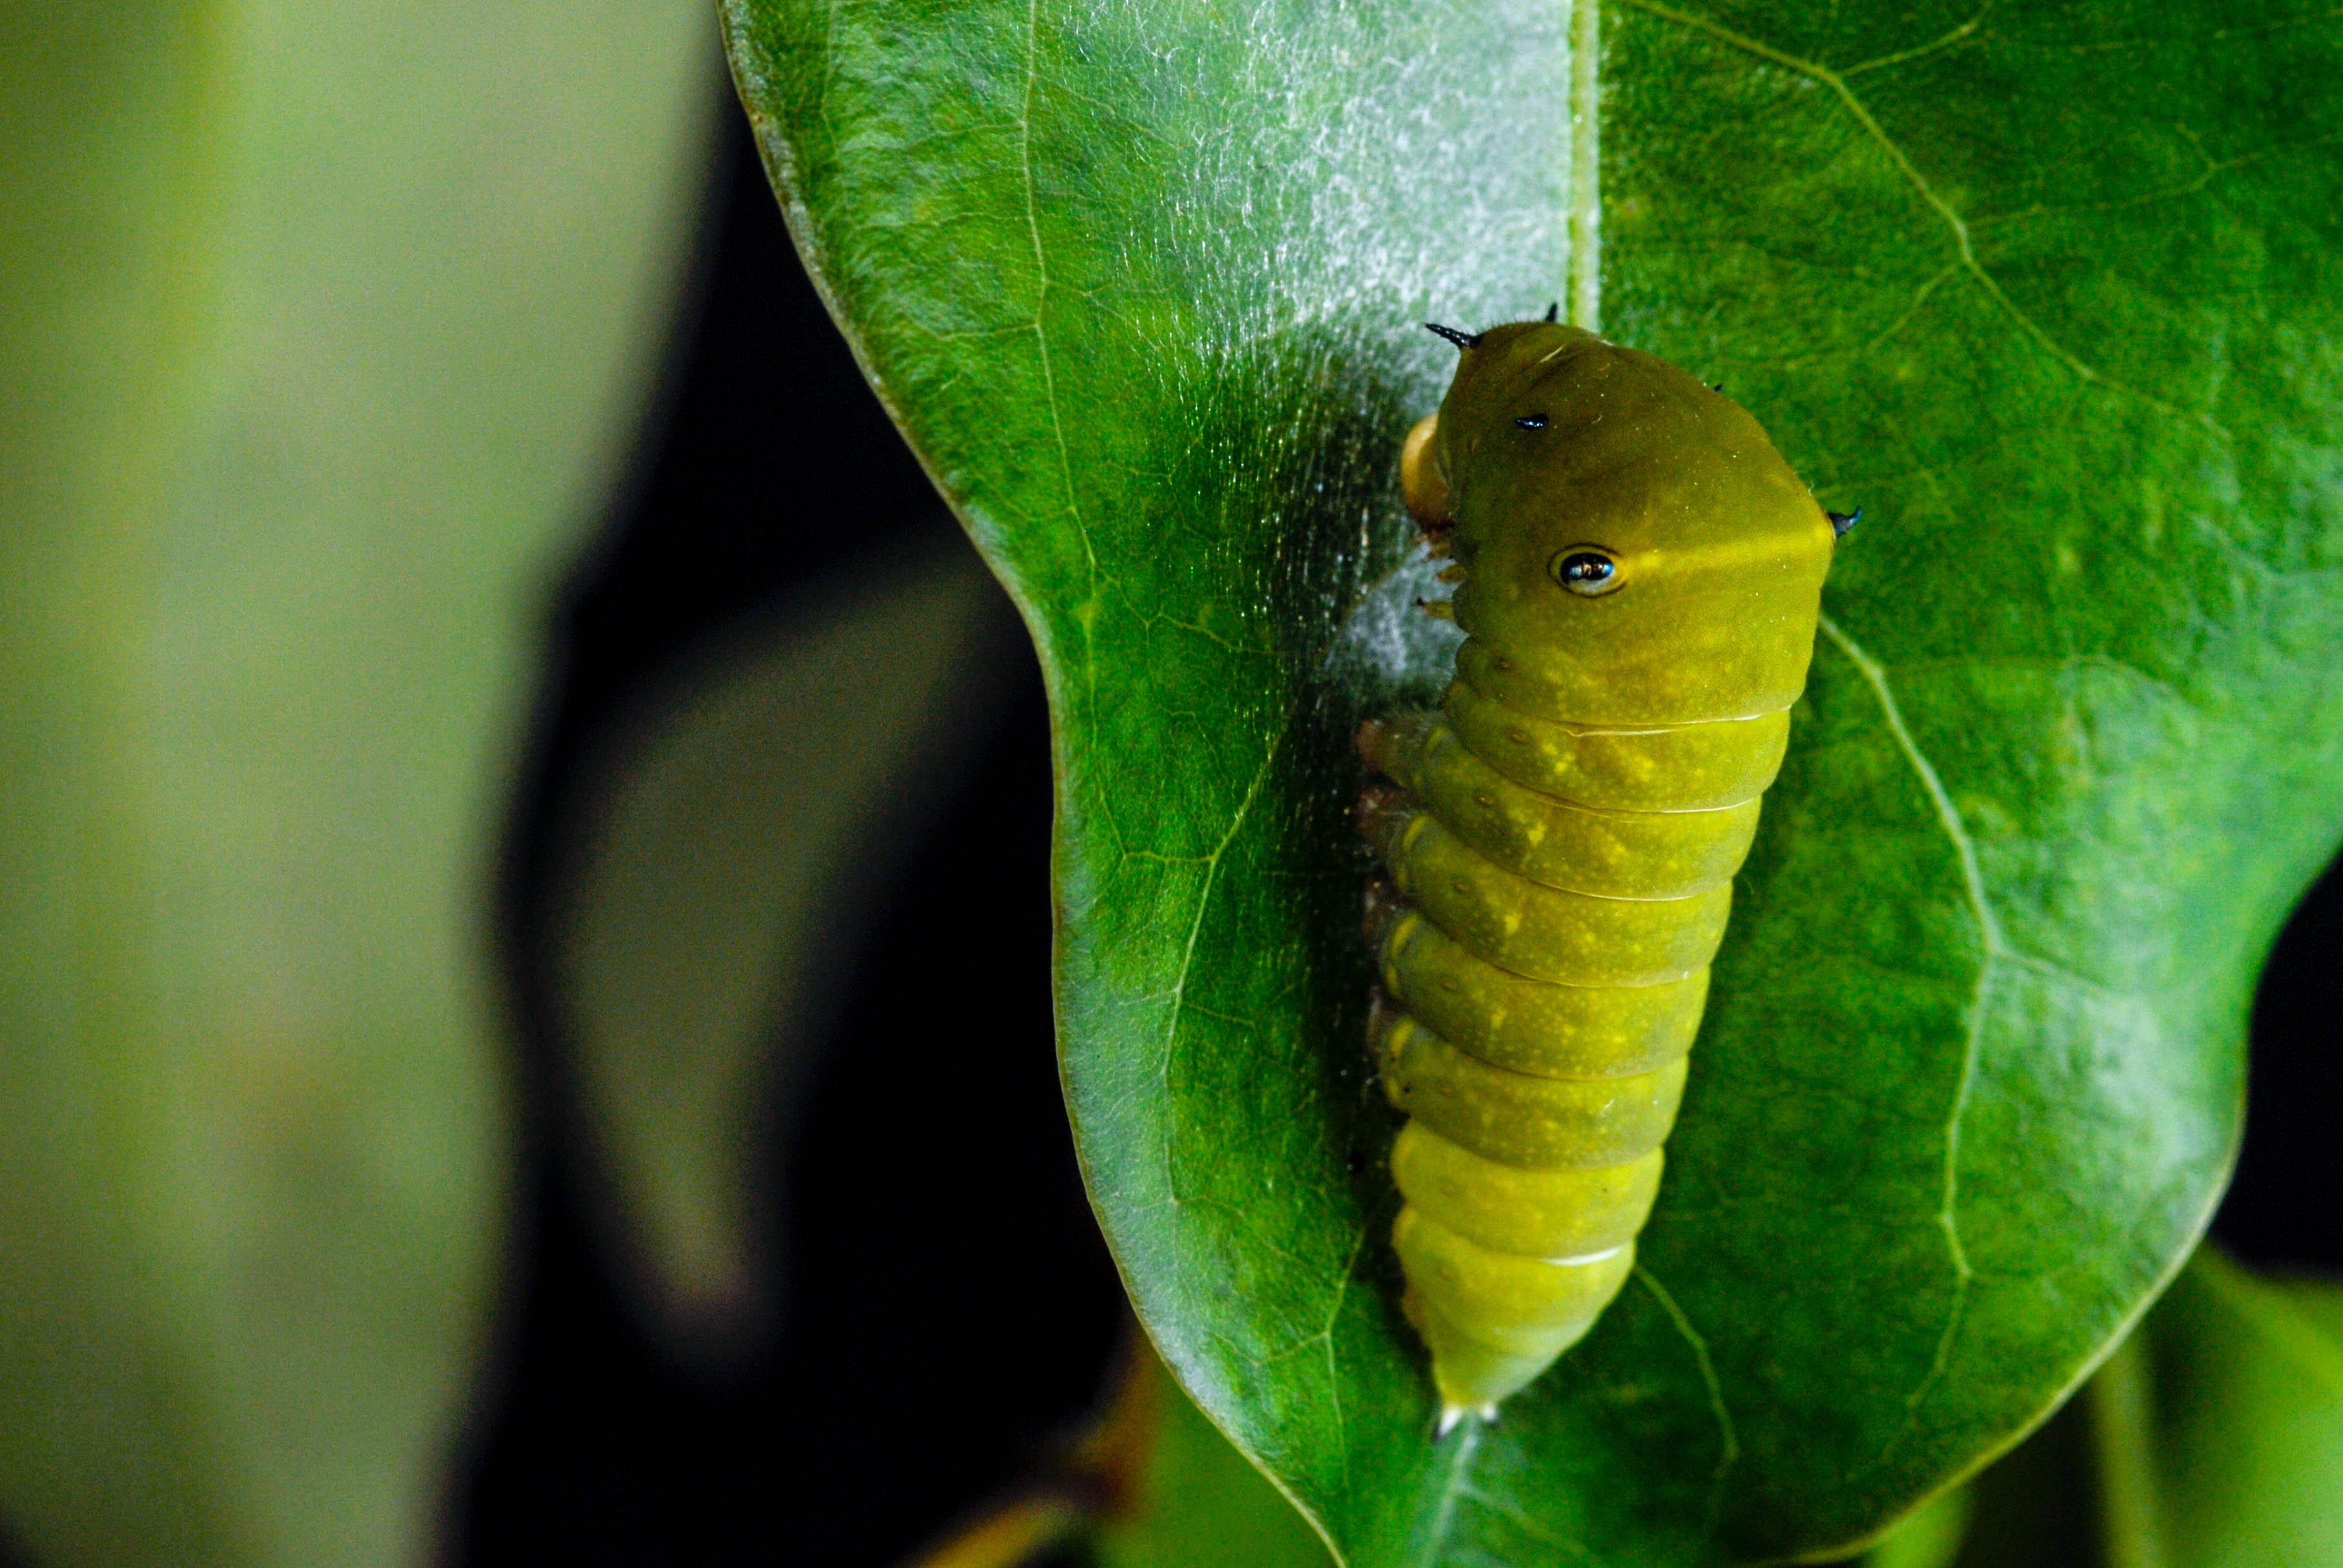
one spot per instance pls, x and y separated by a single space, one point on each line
1450 1415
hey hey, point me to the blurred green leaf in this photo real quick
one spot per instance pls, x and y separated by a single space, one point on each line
2238 1416
2055 295
724 855
2038 1505
2211 1438
322 331
1930 1537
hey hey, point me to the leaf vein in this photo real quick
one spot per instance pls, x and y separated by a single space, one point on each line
1521 1520
1922 51
1333 1369
1963 246
1993 950
1729 1440
1178 992
1087 615
1452 1491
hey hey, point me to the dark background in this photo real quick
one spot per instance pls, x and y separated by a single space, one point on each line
952 1308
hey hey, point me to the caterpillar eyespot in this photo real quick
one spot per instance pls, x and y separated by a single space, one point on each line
1558 840
1587 572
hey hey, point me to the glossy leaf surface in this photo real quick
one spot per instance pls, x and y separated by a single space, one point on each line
2052 294
321 325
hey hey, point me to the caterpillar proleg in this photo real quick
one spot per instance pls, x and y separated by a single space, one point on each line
1640 575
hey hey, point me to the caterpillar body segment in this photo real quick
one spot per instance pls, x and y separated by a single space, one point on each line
1652 853
1512 1022
1548 933
1570 1212
1639 579
1519 1118
1677 768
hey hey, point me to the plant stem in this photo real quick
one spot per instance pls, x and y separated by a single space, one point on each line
2122 1396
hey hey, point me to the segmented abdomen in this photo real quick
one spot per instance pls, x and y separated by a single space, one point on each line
1556 892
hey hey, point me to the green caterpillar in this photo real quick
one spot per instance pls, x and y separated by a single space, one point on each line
1639 576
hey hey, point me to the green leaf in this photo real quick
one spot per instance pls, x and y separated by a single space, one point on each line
319 328
2211 1438
724 852
2238 1417
1930 1537
2052 294
2037 1506
1197 1503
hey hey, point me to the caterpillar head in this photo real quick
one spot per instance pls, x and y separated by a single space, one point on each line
1632 544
